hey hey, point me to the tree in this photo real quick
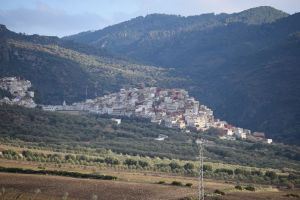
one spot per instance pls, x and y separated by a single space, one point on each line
143 163
111 161
272 175
130 162
207 168
189 166
174 165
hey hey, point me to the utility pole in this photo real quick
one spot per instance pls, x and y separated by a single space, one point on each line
86 92
200 144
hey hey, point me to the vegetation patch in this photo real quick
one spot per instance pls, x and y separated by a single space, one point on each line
188 184
57 173
250 188
177 183
161 182
238 187
220 192
293 195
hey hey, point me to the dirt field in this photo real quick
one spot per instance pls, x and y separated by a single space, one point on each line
54 188
130 185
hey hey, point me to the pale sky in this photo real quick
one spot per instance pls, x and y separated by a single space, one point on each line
65 17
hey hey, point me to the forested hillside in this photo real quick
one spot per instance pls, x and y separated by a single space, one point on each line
245 66
62 70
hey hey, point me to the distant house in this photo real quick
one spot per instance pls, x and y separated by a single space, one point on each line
227 137
161 137
241 135
269 141
118 121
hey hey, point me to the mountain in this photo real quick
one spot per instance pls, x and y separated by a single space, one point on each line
161 26
63 70
245 66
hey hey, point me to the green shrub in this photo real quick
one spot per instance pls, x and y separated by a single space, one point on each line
130 161
292 195
143 164
174 165
228 171
219 192
250 188
244 172
207 168
271 174
111 161
161 182
177 183
189 184
189 166
238 187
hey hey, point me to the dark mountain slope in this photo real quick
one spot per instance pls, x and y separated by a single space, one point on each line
245 65
62 70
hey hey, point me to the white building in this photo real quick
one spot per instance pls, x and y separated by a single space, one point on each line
118 121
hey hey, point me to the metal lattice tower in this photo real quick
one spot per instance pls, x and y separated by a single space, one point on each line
200 144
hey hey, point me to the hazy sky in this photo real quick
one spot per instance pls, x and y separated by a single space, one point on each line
65 17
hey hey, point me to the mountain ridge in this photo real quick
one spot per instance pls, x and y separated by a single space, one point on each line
191 22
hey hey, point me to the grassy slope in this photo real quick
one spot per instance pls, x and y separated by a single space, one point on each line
135 137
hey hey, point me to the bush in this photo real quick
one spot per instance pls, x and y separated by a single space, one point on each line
189 166
271 174
228 171
189 184
250 188
242 172
143 164
257 173
174 165
57 173
207 168
219 192
111 161
130 162
177 183
238 187
161 182
292 195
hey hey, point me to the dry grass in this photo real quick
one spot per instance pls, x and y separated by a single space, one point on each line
131 186
56 187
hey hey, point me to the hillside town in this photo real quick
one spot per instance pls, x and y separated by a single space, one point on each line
17 92
173 108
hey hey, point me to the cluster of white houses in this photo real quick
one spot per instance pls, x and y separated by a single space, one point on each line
18 90
173 108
